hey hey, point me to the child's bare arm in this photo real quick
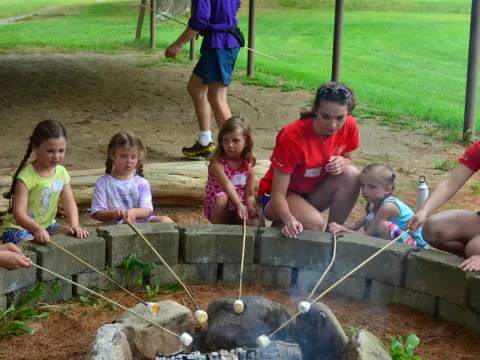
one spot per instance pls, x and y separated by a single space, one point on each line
348 228
71 210
19 210
378 226
249 193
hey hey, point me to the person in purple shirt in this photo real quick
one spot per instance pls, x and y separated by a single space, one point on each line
208 84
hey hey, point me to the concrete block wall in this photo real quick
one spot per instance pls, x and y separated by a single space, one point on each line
424 280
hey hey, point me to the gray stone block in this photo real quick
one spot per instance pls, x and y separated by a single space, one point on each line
188 273
460 315
390 294
212 244
437 274
3 302
271 276
122 240
306 280
388 267
276 276
20 278
354 287
231 274
309 249
93 281
91 250
474 290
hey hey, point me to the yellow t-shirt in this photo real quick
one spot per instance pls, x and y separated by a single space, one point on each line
43 195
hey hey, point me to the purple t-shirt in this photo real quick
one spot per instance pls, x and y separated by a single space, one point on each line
213 18
110 194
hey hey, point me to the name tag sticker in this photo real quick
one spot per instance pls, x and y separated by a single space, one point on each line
57 185
314 172
239 179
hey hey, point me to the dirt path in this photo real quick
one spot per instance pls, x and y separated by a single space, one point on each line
97 95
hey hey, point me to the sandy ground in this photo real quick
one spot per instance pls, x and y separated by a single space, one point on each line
98 95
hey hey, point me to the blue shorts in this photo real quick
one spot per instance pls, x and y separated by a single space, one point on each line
17 235
264 200
216 65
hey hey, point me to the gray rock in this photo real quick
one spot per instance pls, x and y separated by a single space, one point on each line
320 334
365 346
146 340
110 343
228 330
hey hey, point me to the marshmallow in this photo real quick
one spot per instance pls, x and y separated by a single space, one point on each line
201 316
186 339
154 308
263 341
238 306
303 307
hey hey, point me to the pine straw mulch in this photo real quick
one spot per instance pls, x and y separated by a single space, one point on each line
71 327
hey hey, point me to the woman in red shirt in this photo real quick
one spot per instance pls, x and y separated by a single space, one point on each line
311 166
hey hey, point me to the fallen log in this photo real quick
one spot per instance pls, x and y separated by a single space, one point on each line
173 184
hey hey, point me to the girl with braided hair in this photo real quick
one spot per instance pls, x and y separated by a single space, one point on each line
123 194
37 187
386 216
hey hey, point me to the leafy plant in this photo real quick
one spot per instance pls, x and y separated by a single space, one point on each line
132 263
444 165
90 301
13 321
152 292
400 350
475 188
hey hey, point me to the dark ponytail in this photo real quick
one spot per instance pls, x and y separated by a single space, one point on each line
335 92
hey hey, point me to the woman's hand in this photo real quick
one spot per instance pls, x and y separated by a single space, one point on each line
14 259
79 232
41 236
292 228
416 221
335 165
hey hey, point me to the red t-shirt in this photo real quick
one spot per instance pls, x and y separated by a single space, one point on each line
471 157
299 151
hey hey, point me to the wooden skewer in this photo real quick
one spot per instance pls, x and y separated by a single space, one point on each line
342 279
243 258
164 263
246 47
105 298
97 271
328 267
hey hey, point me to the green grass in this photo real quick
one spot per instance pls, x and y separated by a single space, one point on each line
406 59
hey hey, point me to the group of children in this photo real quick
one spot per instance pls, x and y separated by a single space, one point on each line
123 194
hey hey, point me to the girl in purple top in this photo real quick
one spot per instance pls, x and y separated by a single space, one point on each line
214 20
123 194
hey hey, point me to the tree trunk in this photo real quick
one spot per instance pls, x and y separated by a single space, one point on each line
175 183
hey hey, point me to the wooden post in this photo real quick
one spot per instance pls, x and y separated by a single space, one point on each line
337 40
472 74
141 16
251 38
153 12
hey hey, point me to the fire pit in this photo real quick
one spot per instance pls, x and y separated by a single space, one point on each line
316 334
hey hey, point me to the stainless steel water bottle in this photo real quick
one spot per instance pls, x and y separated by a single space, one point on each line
422 192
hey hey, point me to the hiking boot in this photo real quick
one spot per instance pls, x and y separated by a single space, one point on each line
197 150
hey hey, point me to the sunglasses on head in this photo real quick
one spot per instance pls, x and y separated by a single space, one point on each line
338 93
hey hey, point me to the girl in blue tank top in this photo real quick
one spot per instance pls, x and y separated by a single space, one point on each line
386 216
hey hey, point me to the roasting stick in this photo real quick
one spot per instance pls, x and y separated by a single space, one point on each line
328 267
200 315
238 305
264 341
185 338
246 47
154 308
